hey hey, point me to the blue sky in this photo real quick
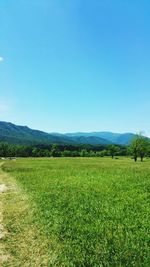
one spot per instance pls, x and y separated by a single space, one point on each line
75 65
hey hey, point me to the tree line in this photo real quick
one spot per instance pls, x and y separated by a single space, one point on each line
139 147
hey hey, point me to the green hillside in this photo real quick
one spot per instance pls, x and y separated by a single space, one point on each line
23 135
15 134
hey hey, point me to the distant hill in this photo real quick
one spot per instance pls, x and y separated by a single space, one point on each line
15 134
23 135
109 137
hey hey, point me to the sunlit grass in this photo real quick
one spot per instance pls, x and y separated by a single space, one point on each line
92 211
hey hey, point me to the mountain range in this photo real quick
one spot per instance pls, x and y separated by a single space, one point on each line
23 135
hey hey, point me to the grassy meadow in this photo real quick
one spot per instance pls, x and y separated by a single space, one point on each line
87 212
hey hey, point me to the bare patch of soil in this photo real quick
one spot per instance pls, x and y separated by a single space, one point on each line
3 188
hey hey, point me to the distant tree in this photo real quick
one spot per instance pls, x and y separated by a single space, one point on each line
84 153
75 153
35 152
112 150
91 153
139 147
55 152
134 147
103 153
4 150
122 151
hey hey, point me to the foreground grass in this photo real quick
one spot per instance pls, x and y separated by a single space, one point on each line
88 212
22 243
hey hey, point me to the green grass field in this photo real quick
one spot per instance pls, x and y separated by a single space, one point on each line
88 211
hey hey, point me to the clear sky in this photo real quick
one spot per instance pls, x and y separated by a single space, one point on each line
75 65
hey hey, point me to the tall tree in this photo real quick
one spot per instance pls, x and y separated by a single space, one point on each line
139 146
143 146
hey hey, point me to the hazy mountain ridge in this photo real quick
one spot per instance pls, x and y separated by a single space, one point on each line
16 134
115 138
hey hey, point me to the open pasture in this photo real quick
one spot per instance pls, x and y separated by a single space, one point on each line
89 211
